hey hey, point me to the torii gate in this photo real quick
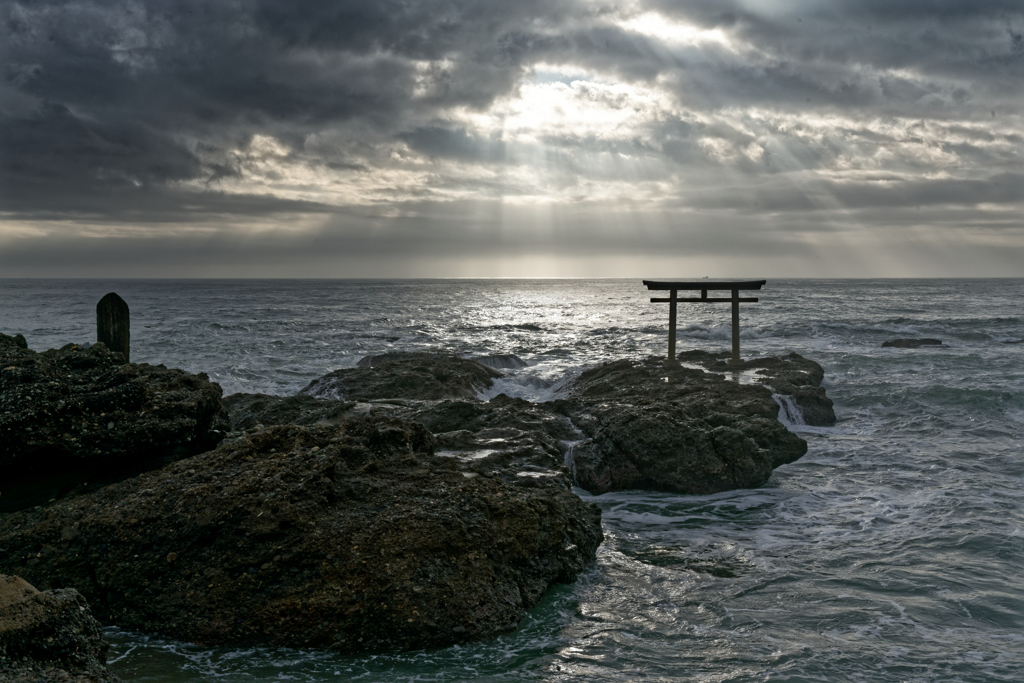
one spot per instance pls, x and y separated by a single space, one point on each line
704 286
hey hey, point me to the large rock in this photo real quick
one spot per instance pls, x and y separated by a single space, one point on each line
790 375
654 424
246 411
49 636
505 437
354 536
627 424
423 376
79 415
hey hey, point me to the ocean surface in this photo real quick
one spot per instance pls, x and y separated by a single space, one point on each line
892 551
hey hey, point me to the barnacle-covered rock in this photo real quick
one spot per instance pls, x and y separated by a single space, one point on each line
81 414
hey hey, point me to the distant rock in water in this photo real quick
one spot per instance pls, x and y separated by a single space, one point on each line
49 636
74 415
354 537
502 361
910 343
425 376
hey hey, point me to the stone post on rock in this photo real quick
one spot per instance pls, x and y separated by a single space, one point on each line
112 324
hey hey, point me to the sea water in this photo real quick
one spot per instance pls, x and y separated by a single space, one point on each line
892 551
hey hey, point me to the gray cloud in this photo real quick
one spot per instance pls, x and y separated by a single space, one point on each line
436 141
158 114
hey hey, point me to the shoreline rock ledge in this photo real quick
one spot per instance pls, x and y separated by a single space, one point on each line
400 511
49 636
356 537
629 424
79 415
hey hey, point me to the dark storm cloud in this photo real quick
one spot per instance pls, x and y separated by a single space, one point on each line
165 73
809 55
155 112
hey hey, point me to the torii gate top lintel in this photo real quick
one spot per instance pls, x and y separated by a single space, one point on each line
710 285
704 286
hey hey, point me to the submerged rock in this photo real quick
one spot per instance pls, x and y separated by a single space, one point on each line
75 415
355 536
425 376
49 636
657 425
911 343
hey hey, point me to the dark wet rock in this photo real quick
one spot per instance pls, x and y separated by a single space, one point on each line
910 343
816 408
75 415
354 536
502 361
638 424
245 411
501 412
49 636
791 375
17 341
657 425
504 437
424 376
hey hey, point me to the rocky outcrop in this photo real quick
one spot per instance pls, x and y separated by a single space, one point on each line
504 437
425 376
80 415
402 513
17 340
790 375
356 536
657 425
49 636
910 343
246 411
638 424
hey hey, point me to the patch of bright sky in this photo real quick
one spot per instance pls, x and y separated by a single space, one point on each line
544 72
581 109
14 230
675 33
570 135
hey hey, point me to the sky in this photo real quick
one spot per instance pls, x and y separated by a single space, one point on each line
535 138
